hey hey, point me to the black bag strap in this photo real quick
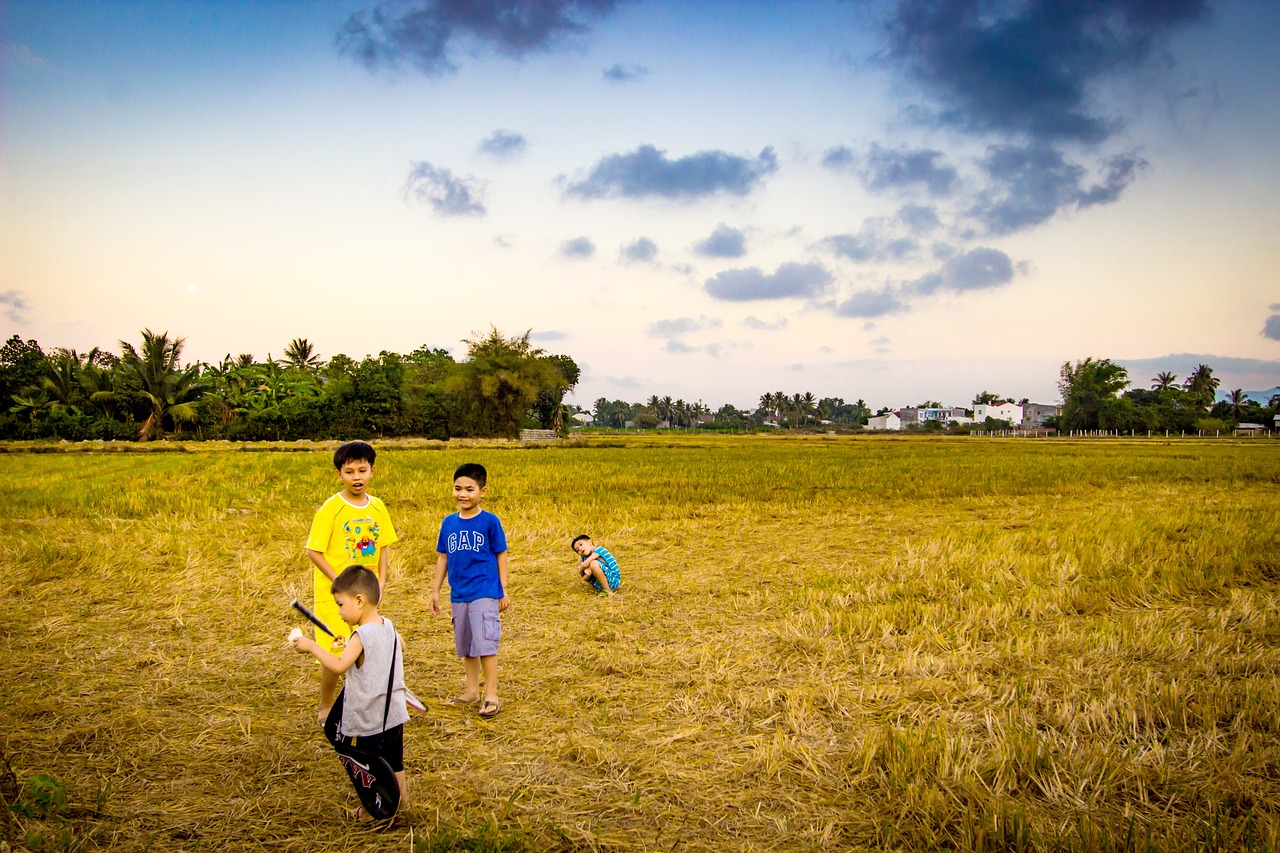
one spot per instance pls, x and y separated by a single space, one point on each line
391 679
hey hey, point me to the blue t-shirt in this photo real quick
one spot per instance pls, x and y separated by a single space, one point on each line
472 546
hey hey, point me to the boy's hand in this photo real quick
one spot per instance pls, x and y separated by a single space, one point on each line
435 602
503 603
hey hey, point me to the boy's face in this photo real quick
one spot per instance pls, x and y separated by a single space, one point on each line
467 492
583 547
355 476
349 607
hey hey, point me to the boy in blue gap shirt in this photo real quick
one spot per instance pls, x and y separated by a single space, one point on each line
472 551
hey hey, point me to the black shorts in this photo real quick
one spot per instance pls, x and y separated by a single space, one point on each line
389 745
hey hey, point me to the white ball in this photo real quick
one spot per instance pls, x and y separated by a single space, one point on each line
295 634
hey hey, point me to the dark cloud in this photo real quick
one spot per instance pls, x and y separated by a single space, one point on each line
625 73
577 248
918 219
504 144
871 303
754 322
15 306
789 280
840 158
1029 68
876 241
448 195
1270 329
900 168
647 172
421 33
1234 372
976 269
1029 184
643 250
724 242
1119 172
682 326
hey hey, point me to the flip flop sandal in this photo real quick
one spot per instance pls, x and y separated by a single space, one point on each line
490 708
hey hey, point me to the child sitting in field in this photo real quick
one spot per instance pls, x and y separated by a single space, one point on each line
597 566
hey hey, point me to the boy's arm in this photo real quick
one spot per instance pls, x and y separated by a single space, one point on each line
337 664
442 566
505 601
384 568
322 564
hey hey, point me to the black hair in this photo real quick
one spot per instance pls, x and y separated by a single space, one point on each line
354 451
574 544
474 471
357 579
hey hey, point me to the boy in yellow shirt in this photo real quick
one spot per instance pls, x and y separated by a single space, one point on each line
351 528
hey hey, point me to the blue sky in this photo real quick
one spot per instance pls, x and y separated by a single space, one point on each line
894 201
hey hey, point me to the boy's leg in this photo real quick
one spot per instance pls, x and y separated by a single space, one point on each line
597 571
328 689
490 665
471 692
404 788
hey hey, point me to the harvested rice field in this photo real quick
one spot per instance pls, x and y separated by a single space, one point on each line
822 643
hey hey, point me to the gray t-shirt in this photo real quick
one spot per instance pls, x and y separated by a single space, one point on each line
366 687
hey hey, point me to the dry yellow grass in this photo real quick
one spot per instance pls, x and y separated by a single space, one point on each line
821 643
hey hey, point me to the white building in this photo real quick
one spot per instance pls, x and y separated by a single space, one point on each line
1010 412
889 421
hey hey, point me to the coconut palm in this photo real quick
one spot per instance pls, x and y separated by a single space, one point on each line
300 354
97 379
170 391
1237 403
1202 385
810 403
61 382
1163 381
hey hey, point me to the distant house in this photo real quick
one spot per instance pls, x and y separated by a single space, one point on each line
1003 411
1034 415
583 418
890 421
1251 429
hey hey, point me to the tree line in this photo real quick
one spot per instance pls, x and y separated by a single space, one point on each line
776 407
1094 397
504 384
145 392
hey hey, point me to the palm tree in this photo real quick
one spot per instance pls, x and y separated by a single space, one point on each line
1202 385
170 391
61 380
97 380
1237 403
1163 381
301 355
809 402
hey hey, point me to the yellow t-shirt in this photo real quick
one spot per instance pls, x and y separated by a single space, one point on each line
346 535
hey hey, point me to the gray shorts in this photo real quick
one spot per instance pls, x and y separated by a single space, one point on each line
476 627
